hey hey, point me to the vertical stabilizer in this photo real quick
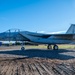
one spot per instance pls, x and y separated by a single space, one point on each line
71 29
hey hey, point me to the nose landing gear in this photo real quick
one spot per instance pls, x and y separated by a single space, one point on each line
22 48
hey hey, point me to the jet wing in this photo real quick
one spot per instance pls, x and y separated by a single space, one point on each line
46 36
60 36
63 36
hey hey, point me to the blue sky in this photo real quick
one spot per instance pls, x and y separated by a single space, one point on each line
37 15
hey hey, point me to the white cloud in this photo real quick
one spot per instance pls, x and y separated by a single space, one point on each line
58 32
40 31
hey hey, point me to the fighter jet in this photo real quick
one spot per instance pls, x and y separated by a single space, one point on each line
40 38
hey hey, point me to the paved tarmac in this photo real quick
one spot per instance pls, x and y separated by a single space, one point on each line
62 54
37 62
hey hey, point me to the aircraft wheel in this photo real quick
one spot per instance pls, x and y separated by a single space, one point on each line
55 47
49 47
22 48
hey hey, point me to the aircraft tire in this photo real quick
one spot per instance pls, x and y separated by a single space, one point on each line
49 47
22 48
55 47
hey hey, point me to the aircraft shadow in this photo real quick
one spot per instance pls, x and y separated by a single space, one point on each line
51 54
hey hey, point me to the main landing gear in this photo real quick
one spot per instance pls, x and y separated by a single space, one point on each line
55 47
49 47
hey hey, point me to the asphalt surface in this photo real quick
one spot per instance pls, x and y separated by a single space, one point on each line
62 54
37 62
